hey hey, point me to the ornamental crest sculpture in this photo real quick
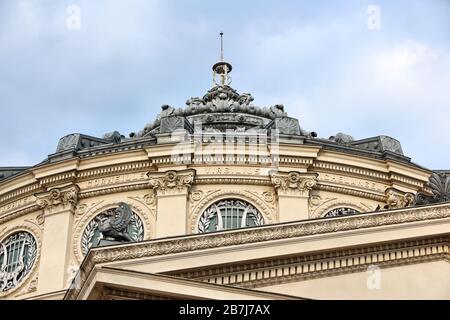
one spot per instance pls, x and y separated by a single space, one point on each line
439 184
17 257
120 224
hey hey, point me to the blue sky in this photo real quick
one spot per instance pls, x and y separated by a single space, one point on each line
318 58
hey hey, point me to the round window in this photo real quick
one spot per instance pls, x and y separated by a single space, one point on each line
17 257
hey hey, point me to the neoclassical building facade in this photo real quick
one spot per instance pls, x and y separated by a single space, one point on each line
224 200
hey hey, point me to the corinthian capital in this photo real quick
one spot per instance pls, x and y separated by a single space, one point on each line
294 183
58 197
171 181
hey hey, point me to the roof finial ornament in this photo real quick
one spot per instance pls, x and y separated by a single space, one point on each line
221 69
221 46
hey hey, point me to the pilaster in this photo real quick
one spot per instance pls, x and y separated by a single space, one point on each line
172 189
293 189
58 205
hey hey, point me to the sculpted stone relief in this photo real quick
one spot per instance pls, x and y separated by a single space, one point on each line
56 197
86 227
119 224
397 200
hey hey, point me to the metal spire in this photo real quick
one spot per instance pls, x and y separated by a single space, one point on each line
221 46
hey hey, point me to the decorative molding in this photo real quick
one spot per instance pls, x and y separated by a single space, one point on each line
21 192
18 214
81 209
148 200
351 192
266 208
339 168
113 181
18 204
40 220
407 180
69 176
114 170
32 287
90 194
293 183
171 182
352 182
196 196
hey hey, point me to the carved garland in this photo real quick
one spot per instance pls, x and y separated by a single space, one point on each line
266 208
26 285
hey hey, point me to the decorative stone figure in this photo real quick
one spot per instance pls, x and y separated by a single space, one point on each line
342 138
277 111
115 226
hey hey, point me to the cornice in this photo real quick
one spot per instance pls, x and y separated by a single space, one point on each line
354 171
297 156
351 192
326 264
21 192
65 177
113 170
259 235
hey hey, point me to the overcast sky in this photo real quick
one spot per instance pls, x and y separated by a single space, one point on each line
324 60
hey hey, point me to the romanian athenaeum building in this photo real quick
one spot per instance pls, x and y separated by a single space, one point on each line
224 199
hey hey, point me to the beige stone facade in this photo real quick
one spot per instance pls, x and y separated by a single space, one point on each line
283 215
55 202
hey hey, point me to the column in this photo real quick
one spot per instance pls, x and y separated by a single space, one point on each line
172 189
58 205
293 190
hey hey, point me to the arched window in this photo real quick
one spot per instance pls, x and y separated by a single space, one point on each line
17 257
119 224
341 212
229 214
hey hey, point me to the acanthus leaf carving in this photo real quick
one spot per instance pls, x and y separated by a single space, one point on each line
58 197
172 180
293 182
